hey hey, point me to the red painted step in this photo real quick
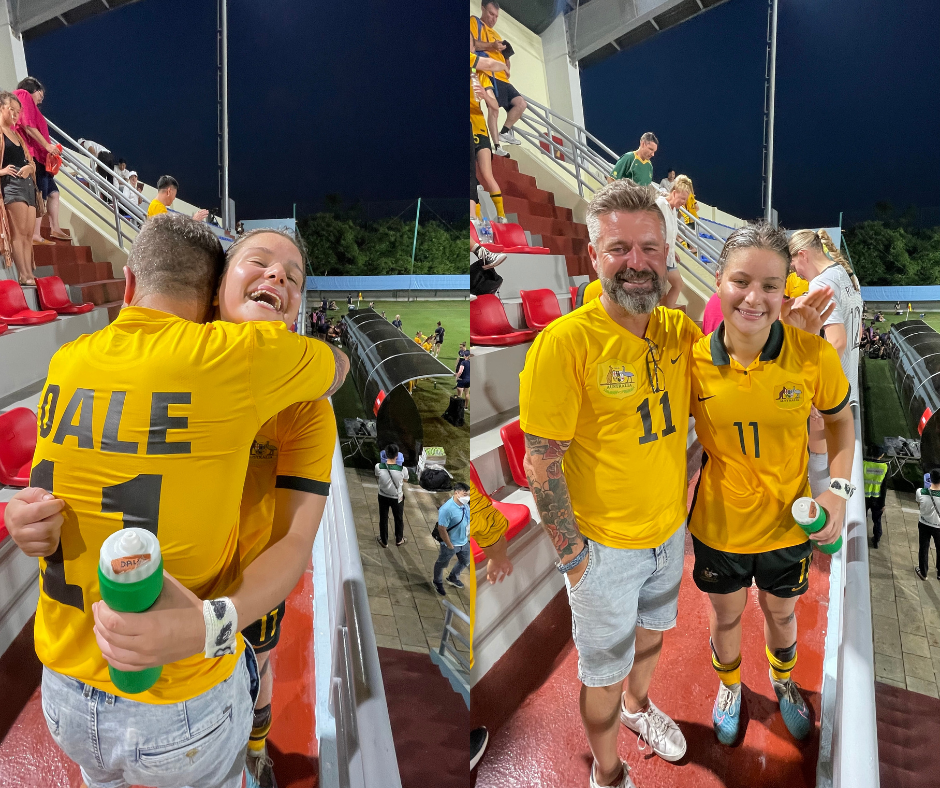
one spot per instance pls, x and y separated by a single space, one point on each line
536 211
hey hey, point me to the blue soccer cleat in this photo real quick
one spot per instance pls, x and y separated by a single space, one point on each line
726 715
795 712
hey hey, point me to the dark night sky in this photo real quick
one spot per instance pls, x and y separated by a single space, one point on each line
353 98
858 111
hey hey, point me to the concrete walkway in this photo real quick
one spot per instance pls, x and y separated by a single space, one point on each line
406 610
905 609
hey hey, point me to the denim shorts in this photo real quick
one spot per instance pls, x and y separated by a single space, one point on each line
199 743
620 590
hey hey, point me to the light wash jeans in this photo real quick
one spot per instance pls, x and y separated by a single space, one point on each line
200 743
443 559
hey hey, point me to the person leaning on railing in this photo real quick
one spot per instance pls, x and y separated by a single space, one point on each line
33 128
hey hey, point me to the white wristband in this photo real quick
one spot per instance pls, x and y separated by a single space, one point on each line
842 487
221 627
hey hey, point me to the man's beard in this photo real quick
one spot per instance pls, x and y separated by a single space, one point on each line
637 302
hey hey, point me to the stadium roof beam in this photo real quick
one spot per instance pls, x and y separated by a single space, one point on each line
34 18
605 27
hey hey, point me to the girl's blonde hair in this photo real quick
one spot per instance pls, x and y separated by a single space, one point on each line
820 241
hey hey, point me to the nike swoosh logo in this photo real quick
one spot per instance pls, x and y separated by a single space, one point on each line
676 358
702 399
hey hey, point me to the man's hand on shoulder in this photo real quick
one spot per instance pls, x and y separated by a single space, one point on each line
34 519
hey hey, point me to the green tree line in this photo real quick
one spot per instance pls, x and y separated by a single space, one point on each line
341 244
893 250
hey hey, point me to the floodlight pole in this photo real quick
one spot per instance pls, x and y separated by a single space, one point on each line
414 246
771 75
227 219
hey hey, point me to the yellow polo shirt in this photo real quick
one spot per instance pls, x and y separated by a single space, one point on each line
590 381
752 425
155 208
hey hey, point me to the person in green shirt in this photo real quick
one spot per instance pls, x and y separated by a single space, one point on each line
875 470
637 165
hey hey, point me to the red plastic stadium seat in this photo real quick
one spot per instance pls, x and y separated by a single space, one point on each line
14 310
517 514
17 444
514 444
475 238
3 327
490 326
512 238
540 307
574 297
52 295
3 529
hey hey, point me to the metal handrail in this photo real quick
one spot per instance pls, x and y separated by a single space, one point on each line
581 129
586 151
450 632
354 733
848 752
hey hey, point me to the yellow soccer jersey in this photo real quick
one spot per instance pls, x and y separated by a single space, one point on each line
796 286
148 423
752 425
590 381
477 121
155 208
593 290
487 527
294 451
484 33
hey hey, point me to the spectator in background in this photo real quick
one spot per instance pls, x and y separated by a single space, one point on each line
453 521
796 286
463 380
637 166
666 183
875 469
121 171
105 164
391 479
677 197
488 43
33 128
928 524
481 158
438 339
239 228
463 352
167 189
397 322
129 189
19 192
713 316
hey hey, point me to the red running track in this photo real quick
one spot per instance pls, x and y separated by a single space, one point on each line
539 740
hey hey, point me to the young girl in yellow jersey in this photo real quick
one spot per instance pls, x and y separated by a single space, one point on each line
754 381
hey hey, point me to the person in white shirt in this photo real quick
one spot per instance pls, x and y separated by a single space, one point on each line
816 257
666 183
106 167
668 203
391 478
121 171
928 523
130 190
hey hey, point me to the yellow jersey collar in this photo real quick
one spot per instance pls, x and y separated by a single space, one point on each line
636 155
770 351
143 313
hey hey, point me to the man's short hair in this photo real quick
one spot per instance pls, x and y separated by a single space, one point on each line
121 161
935 476
461 487
166 181
391 451
30 85
176 257
649 137
622 195
494 3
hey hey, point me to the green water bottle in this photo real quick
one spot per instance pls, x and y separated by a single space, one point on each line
130 575
811 517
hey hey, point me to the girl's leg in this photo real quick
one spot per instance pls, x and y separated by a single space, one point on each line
724 624
20 215
485 164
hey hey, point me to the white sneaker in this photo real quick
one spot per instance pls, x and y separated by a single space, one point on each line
498 151
657 730
509 138
626 782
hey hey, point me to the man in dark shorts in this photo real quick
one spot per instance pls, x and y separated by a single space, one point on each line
463 380
438 339
488 43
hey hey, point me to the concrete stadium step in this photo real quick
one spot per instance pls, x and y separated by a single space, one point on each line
25 351
500 367
530 272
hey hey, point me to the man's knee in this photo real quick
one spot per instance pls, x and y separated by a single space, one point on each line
519 104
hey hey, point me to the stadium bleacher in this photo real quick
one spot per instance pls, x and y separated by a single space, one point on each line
17 444
52 295
540 307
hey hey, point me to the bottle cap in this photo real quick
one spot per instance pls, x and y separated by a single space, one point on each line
129 555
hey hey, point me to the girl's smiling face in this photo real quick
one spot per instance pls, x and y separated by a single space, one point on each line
263 280
751 289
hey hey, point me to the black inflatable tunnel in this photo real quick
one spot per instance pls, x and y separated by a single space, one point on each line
915 357
382 361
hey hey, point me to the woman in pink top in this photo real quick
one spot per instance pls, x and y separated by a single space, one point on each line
32 127
712 317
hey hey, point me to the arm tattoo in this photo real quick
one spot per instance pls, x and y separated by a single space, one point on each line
550 489
342 368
